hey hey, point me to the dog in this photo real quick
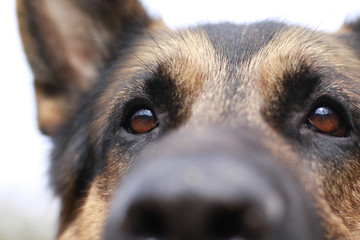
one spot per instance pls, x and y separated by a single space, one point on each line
219 131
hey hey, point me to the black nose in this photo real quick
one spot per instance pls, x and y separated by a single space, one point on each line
211 187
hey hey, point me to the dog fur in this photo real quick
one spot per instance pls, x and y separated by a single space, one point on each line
93 60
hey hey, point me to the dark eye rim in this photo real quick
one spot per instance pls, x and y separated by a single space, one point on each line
335 106
131 108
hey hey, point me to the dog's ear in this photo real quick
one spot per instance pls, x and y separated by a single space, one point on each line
67 43
350 32
352 26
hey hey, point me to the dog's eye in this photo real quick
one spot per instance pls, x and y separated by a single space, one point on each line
142 121
326 120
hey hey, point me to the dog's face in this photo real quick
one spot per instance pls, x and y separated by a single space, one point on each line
215 132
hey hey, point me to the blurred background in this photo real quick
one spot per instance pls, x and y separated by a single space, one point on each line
27 208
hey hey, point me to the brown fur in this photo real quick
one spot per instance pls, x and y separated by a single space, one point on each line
68 62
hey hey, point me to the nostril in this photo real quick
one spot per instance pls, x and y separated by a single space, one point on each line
146 221
236 222
223 223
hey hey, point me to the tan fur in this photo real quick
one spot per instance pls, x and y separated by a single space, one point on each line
89 223
339 193
190 68
51 109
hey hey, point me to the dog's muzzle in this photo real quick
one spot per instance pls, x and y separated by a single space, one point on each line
211 185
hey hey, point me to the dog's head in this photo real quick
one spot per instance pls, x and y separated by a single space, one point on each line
214 132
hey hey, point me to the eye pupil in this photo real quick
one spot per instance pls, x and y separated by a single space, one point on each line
326 120
142 121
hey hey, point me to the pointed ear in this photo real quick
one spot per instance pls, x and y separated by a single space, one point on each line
67 43
351 27
350 32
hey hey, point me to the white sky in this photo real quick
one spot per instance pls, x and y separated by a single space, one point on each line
23 154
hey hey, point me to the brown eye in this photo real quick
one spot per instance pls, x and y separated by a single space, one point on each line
326 120
142 121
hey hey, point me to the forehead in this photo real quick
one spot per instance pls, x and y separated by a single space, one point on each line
195 55
226 57
238 43
230 49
